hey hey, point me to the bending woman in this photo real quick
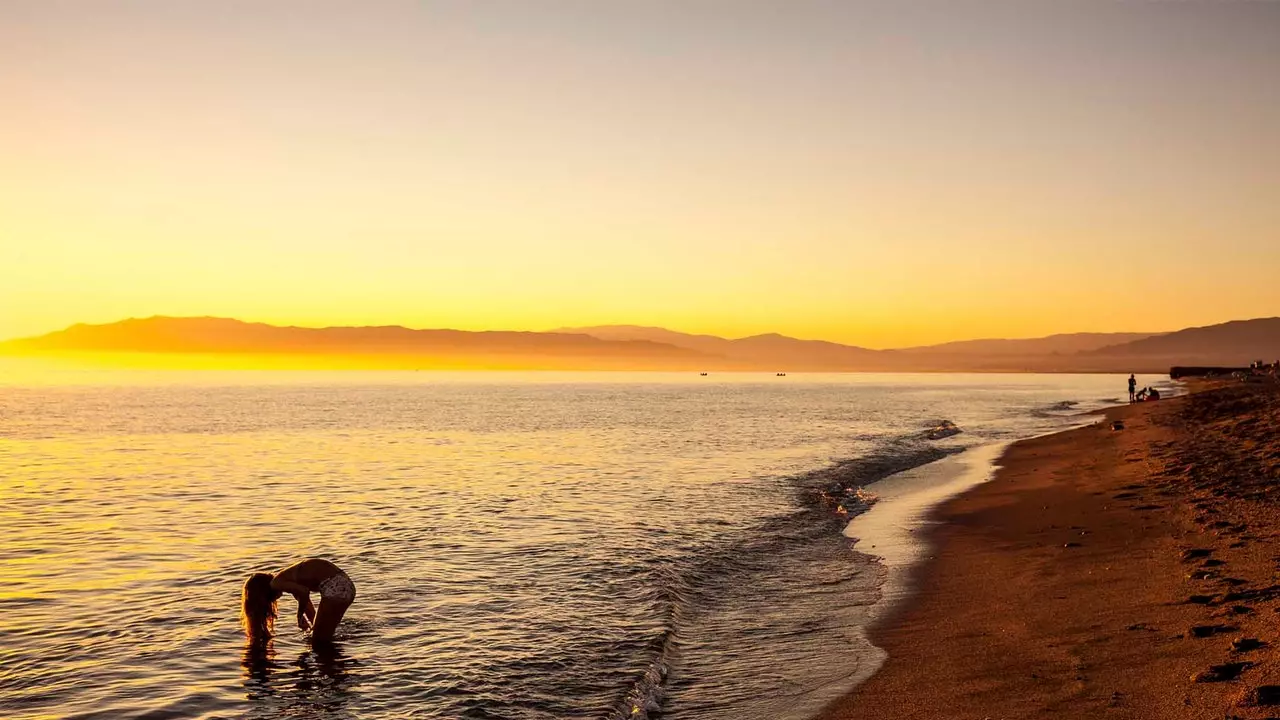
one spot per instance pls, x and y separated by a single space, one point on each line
262 590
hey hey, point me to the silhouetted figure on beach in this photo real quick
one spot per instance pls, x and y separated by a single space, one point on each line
1133 387
1152 394
262 590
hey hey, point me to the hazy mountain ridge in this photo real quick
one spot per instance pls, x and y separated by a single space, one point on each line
1054 353
1237 342
785 352
634 347
1060 344
169 335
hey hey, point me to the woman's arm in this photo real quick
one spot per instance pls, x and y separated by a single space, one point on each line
306 615
301 593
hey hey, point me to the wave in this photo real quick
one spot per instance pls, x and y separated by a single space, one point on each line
694 586
1055 409
647 693
842 486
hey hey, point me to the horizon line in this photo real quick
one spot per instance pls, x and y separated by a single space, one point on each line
567 330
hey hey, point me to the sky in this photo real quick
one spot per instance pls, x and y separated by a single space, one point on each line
878 173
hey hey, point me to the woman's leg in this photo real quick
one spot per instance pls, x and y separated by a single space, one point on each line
328 615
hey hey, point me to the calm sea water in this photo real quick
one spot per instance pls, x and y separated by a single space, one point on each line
524 546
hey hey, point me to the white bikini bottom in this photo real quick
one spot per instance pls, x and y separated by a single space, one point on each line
338 587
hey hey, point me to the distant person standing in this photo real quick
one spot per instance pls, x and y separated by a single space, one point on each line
1133 387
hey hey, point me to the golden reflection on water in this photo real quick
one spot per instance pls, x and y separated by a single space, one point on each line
521 545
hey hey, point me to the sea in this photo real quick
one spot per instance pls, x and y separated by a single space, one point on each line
524 545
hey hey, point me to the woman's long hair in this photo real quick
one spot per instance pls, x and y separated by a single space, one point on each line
258 606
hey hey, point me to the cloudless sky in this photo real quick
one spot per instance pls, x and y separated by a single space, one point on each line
880 173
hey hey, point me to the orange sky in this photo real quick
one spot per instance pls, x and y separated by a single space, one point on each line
877 173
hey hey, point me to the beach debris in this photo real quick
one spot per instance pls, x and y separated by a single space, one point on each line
1244 644
1263 695
1223 672
1200 575
1071 545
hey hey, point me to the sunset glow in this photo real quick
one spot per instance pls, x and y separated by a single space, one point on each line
838 172
639 359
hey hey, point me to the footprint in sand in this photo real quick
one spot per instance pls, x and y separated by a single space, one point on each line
1234 610
1204 631
1244 644
1220 673
1263 695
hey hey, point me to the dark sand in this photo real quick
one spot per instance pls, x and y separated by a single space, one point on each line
1102 574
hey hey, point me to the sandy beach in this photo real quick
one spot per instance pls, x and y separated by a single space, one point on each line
1102 573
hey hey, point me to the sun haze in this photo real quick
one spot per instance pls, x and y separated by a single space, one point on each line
877 173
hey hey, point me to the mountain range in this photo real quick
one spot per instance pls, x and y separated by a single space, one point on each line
632 347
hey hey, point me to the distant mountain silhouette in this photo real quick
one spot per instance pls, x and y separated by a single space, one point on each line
1055 353
209 335
630 347
758 350
709 344
1064 344
1238 342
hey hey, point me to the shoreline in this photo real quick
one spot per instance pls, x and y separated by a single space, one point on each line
894 531
891 531
1059 588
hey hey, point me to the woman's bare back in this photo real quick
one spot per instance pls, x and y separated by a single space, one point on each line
309 573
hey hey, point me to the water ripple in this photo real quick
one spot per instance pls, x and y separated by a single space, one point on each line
522 550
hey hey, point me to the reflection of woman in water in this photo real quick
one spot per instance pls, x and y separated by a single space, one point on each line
317 685
262 590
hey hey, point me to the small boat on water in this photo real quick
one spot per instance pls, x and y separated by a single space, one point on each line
703 374
945 429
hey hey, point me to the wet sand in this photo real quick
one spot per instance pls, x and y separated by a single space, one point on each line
1101 573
